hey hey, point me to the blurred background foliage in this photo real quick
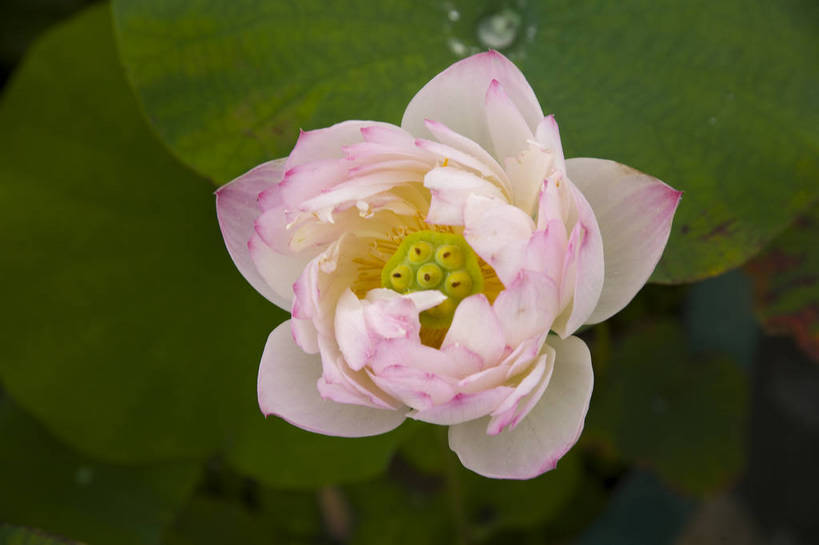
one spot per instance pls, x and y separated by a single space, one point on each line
130 343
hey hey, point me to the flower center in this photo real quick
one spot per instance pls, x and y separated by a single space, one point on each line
431 260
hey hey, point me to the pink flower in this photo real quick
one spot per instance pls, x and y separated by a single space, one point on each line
437 270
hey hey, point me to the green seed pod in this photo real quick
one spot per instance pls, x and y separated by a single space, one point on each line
401 278
449 257
427 260
429 276
458 284
420 252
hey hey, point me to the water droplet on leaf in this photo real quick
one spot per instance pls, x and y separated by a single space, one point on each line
499 30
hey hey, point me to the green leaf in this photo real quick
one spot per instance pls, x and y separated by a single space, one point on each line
16 535
683 415
282 455
271 517
493 505
50 486
134 337
716 98
786 282
400 514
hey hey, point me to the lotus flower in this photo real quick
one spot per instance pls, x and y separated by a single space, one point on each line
437 270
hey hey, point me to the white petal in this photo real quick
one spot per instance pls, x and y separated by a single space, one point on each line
456 97
546 434
634 212
507 127
450 188
287 388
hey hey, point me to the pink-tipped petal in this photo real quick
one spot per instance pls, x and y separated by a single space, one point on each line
527 172
507 127
476 328
354 339
499 233
584 269
518 404
547 135
327 142
287 388
464 407
414 387
634 211
461 143
456 97
527 307
551 428
450 188
236 210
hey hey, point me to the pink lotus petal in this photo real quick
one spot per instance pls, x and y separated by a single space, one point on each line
359 388
277 271
462 362
386 134
499 233
305 335
527 307
546 249
306 181
456 96
508 129
634 211
409 353
476 328
527 172
236 210
395 318
287 388
461 143
327 143
356 189
548 135
352 334
417 388
483 380
447 155
530 401
504 414
463 407
584 269
551 428
450 188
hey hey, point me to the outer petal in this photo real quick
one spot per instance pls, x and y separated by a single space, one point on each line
287 388
547 432
237 211
634 212
455 97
